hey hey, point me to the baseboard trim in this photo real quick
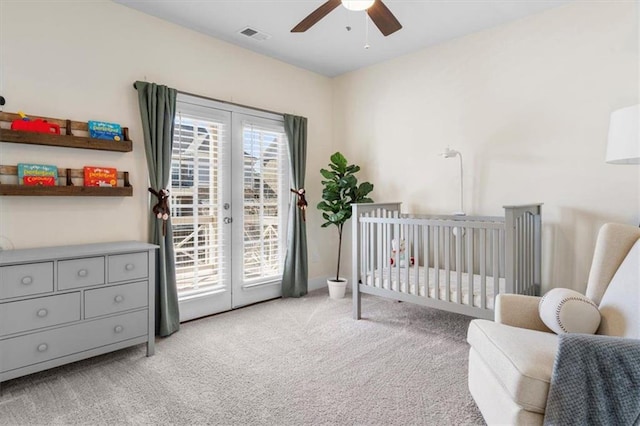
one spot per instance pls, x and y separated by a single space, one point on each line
321 282
316 283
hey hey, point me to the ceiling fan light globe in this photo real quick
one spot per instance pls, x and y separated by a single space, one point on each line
358 4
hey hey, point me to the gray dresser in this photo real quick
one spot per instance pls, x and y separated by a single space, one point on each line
64 304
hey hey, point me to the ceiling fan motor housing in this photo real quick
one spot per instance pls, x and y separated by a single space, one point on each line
357 4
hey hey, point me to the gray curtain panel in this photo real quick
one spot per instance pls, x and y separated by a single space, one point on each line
296 268
157 110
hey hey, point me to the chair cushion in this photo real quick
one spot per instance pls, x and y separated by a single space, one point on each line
620 303
567 311
520 359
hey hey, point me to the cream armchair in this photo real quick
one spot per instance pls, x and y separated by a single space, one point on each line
511 359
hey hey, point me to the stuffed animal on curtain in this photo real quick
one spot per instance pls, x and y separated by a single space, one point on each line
161 208
302 202
401 254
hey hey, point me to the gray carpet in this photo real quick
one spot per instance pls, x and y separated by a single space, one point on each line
282 362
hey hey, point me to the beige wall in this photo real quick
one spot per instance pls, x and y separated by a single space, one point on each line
528 106
78 60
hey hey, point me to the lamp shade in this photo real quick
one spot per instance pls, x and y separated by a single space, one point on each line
623 146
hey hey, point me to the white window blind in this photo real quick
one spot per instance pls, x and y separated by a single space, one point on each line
197 173
266 197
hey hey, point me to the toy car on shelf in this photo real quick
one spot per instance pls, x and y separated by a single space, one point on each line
37 125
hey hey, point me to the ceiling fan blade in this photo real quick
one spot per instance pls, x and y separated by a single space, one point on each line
383 18
315 16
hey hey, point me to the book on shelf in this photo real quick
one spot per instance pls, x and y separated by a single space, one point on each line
37 174
104 130
100 176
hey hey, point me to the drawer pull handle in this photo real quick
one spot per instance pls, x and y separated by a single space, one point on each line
118 299
27 280
83 273
42 347
42 313
129 266
118 328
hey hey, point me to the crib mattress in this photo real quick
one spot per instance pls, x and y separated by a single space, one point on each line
373 279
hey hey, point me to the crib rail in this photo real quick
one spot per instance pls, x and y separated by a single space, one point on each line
447 262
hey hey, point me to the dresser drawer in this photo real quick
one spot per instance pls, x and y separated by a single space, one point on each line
125 267
27 279
46 345
117 298
37 313
80 272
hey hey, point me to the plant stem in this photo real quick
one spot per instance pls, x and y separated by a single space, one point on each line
339 250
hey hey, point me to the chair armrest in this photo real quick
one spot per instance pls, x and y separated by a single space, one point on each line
520 311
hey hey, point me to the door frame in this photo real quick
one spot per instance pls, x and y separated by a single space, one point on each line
236 293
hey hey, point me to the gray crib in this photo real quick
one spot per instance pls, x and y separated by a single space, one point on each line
454 263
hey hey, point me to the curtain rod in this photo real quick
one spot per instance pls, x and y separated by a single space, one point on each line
226 102
231 103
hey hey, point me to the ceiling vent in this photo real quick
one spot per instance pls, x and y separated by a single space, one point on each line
254 34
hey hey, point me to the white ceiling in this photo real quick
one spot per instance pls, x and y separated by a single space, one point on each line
328 48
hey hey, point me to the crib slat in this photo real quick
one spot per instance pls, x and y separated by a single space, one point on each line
425 243
436 262
520 255
379 249
483 268
470 274
366 246
516 256
530 255
529 251
371 249
396 236
458 241
447 262
496 265
525 283
525 252
415 252
391 254
405 271
365 254
537 256
363 275
380 240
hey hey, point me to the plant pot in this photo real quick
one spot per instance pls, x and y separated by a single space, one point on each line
337 288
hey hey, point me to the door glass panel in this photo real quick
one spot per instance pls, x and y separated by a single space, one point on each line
196 191
265 172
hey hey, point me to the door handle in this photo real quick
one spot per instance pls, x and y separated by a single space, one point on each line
228 220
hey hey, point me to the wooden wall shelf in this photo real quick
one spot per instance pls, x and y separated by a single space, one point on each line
68 188
89 191
32 138
68 140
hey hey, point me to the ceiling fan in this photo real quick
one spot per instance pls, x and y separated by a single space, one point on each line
378 12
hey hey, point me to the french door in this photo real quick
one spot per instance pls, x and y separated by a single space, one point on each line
229 201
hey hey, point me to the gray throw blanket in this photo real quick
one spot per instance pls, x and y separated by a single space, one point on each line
595 381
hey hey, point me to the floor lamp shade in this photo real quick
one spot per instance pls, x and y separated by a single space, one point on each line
623 146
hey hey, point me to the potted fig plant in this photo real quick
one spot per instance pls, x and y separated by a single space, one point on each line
340 191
